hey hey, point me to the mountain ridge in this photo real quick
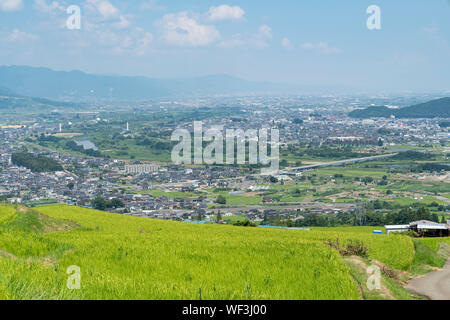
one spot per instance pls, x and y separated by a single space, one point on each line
45 82
77 85
438 108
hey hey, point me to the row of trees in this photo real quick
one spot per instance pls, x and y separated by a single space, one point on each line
72 145
324 151
364 217
102 204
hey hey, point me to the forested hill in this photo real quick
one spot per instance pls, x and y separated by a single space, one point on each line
439 108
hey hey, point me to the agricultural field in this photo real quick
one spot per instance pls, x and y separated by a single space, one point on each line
349 184
124 257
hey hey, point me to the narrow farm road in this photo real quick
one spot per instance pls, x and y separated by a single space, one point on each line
435 285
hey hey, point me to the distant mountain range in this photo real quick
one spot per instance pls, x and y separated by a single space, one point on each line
9 100
439 108
77 85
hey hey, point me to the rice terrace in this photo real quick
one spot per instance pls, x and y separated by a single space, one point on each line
123 257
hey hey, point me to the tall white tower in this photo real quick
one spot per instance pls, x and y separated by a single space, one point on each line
128 127
60 128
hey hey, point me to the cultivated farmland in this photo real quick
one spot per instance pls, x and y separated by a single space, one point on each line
124 257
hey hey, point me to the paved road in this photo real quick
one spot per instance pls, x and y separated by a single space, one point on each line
435 285
304 205
341 162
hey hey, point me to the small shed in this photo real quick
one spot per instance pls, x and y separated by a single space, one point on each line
430 228
424 228
397 228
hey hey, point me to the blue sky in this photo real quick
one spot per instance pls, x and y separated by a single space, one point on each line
307 42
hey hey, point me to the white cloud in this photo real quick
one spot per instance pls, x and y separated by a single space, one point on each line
235 41
143 43
108 13
265 32
136 42
152 5
105 8
133 42
321 47
286 43
111 31
11 5
260 40
183 29
225 12
17 36
42 5
433 33
123 23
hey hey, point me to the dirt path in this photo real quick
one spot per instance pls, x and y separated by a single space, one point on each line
435 285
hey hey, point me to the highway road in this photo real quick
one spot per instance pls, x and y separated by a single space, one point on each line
341 162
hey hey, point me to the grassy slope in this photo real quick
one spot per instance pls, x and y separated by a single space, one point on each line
425 258
131 258
125 257
7 214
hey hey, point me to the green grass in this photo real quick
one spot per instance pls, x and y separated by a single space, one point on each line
243 200
390 289
7 214
406 201
418 186
425 257
173 194
125 257
353 172
433 243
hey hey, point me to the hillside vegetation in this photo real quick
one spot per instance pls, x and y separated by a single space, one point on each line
36 163
124 257
11 101
431 109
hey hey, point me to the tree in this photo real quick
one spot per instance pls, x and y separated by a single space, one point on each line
245 223
435 218
115 203
219 216
368 180
99 203
221 199
36 163
380 142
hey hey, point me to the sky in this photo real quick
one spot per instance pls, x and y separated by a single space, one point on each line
320 43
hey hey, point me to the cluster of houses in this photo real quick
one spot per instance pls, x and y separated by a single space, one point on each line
86 177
